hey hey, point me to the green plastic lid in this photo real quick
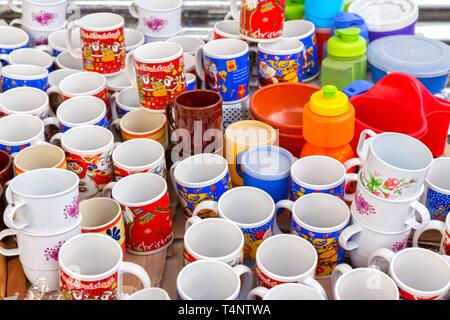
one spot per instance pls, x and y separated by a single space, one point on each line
295 9
347 43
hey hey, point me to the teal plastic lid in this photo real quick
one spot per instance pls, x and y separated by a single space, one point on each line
415 55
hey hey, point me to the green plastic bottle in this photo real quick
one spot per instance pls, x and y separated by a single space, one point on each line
346 61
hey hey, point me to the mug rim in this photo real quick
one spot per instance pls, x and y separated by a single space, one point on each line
29 140
154 45
208 108
144 166
85 27
293 284
220 43
31 50
4 71
134 133
226 34
245 123
101 226
265 47
47 145
312 28
102 149
89 93
46 4
15 45
36 111
145 290
94 121
434 186
62 65
143 6
121 93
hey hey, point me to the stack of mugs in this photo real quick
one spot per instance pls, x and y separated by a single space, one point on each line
386 206
40 18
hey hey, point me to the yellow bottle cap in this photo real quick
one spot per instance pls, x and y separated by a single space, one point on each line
329 102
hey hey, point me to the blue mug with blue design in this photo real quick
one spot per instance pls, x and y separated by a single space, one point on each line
11 38
198 178
320 218
224 66
23 75
252 210
25 100
267 168
280 61
191 82
436 196
78 111
124 101
305 32
320 174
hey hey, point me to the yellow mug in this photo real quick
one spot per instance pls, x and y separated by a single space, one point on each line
243 135
39 156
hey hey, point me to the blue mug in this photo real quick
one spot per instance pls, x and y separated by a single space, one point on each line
322 12
191 81
436 196
22 75
11 38
320 174
266 168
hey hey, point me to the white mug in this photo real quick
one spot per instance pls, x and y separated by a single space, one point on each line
47 14
38 36
56 76
226 29
139 156
133 39
25 100
190 44
124 101
443 228
362 240
420 274
57 42
362 284
149 294
213 280
157 17
18 131
389 215
42 201
286 258
39 252
118 82
65 60
286 291
213 239
11 38
91 266
394 165
31 56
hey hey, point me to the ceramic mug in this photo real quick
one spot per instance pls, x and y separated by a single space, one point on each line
102 42
241 136
287 259
78 111
38 253
251 209
11 38
189 62
389 215
320 219
88 151
213 239
285 291
18 75
158 38
190 44
322 174
104 216
305 32
56 43
38 36
45 14
31 56
191 82
12 140
394 165
142 124
158 74
443 228
91 267
65 60
213 280
54 79
149 294
133 39
145 204
280 61
362 284
267 168
138 156
198 178
420 274
157 17
25 100
226 29
123 102
42 201
196 122
254 19
38 157
224 67
362 240
436 196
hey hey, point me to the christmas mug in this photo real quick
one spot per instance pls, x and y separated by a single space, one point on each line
91 267
145 203
102 42
38 157
286 291
157 71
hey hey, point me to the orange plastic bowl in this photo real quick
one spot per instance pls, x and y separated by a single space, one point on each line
281 105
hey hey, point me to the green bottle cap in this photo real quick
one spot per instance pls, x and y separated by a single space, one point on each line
295 9
347 43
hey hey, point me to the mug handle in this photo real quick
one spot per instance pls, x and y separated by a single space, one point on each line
51 121
14 7
255 82
206 205
257 292
4 57
16 23
234 10
282 204
355 162
239 170
134 10
338 271
130 67
137 271
423 212
53 89
361 149
247 281
313 283
70 45
44 47
345 237
8 252
115 126
199 68
10 212
113 104
380 254
173 180
75 12
56 139
170 110
432 225
350 177
191 221
106 192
